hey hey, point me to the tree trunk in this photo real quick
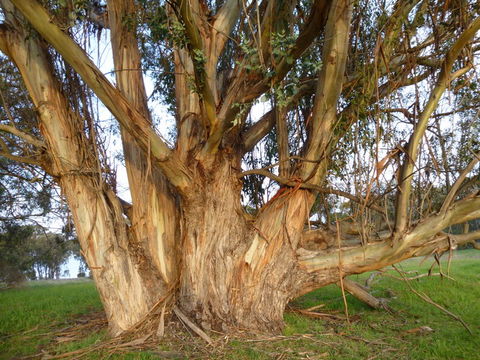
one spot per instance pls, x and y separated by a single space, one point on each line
127 284
238 274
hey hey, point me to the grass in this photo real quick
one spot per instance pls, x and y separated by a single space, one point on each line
29 317
28 313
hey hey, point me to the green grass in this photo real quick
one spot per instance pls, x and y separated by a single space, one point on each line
43 307
29 312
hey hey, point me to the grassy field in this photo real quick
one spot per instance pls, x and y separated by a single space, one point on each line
59 318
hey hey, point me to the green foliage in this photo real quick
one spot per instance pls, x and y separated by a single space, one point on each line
16 262
178 34
282 44
27 252
243 110
154 33
250 59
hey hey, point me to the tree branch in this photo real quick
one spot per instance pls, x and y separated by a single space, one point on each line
329 88
258 130
23 159
454 190
24 136
239 93
203 67
313 27
304 185
444 79
266 123
222 26
282 141
130 118
360 293
426 238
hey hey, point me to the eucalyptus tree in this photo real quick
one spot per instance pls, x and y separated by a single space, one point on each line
341 78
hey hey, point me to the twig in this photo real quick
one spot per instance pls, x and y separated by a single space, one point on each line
427 299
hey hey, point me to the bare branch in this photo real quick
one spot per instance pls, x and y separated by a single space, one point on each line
263 126
470 237
456 186
444 79
34 160
360 293
204 69
304 185
258 130
282 141
223 24
24 136
426 238
427 299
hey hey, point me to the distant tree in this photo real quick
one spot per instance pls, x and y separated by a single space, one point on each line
28 252
49 252
16 261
